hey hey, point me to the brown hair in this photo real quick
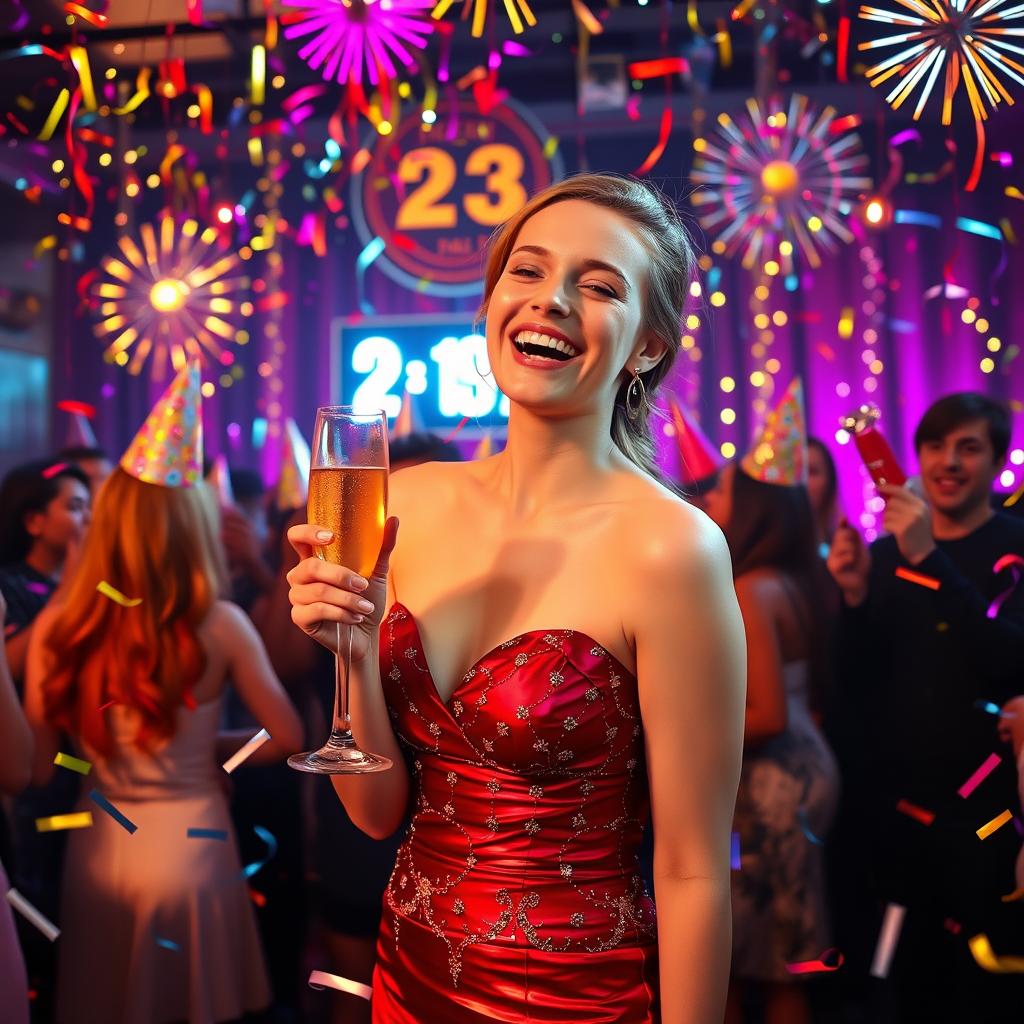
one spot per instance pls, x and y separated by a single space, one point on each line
159 544
668 279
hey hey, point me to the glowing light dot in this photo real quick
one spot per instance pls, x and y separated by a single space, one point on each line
814 223
773 366
981 325
153 180
874 212
968 316
278 81
727 384
1017 456
728 449
131 156
695 289
780 178
761 321
779 318
870 384
843 389
692 322
105 159
58 166
771 268
193 110
727 416
131 189
429 116
786 248
168 296
994 344
121 358
987 365
842 436
225 214
1007 477
717 298
876 366
757 379
385 128
761 291
208 389
687 341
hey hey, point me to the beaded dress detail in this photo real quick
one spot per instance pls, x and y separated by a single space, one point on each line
516 894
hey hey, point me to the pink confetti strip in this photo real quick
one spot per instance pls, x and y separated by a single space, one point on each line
892 923
322 980
979 776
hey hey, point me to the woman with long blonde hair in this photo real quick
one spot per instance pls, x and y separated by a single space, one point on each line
132 665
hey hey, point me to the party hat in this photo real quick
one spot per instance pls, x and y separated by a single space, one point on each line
168 449
696 452
80 433
406 422
293 484
219 479
780 455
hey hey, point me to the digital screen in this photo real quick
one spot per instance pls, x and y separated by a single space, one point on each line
441 362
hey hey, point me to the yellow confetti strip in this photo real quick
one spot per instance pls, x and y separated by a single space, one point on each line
996 823
60 822
115 595
987 959
53 118
75 764
550 146
1017 894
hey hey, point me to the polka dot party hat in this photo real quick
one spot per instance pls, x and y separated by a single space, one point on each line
168 450
780 455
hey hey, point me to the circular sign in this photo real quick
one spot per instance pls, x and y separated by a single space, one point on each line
435 193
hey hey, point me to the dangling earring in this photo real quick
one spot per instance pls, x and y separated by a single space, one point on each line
636 396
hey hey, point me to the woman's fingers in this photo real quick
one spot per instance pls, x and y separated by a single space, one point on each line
316 570
306 537
387 546
324 593
310 617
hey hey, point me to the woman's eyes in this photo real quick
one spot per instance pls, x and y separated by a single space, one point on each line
600 289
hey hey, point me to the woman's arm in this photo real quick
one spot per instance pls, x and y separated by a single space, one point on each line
261 692
766 689
15 735
45 736
323 594
690 664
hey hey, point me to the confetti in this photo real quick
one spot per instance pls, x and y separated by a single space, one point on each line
802 815
53 118
168 944
268 837
987 960
75 764
246 751
659 147
320 980
1013 563
734 852
116 596
1013 897
889 935
102 802
915 812
979 776
99 20
917 577
994 825
830 960
207 833
60 822
22 905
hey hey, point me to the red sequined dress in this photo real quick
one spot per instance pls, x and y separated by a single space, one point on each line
516 894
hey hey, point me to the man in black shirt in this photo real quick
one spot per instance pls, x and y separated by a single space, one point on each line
931 642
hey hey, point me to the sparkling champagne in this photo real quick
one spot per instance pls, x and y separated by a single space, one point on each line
351 501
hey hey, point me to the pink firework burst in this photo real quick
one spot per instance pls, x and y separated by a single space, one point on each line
348 34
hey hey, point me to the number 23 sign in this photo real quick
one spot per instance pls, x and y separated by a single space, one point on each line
435 193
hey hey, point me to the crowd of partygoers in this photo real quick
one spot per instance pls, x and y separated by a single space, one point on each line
152 608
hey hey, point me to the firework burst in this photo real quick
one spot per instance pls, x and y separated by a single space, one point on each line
350 35
777 181
963 40
172 296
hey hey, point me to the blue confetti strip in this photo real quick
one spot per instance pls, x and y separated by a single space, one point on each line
734 851
168 944
268 837
104 804
207 833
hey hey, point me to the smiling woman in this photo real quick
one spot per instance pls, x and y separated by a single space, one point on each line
610 687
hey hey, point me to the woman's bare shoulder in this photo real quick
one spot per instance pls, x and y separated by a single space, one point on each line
428 485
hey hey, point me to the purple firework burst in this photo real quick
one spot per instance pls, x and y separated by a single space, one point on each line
348 34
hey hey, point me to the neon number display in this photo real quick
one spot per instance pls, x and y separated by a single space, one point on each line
467 387
501 165
381 360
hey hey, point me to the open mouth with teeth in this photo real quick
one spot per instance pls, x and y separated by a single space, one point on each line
543 346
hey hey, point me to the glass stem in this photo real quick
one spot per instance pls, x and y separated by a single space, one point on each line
342 729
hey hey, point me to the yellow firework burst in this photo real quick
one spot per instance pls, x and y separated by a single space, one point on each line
172 294
968 41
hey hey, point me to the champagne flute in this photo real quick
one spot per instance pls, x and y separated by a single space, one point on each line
348 494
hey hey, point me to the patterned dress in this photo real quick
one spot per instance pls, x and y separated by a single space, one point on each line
516 894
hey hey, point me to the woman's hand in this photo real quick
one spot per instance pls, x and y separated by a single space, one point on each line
323 594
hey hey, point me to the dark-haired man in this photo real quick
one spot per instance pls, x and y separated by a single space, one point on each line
93 462
932 640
